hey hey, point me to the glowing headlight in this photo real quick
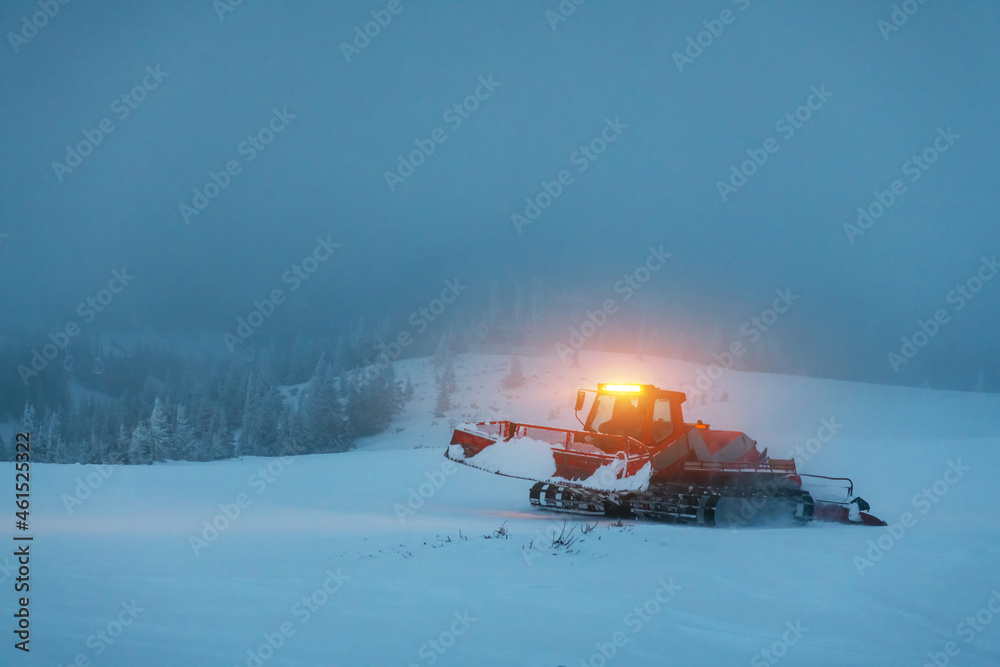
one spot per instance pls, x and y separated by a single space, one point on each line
625 388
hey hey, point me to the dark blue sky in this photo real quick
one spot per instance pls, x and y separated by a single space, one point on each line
220 81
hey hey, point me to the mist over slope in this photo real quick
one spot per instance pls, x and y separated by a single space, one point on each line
356 159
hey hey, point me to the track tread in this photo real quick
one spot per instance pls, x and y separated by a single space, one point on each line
678 503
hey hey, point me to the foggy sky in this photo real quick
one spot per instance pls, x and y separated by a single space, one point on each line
220 81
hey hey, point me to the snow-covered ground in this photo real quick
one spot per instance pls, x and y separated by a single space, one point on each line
392 555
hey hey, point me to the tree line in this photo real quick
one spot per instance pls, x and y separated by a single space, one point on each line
159 403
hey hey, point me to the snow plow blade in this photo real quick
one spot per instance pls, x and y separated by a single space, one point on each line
840 513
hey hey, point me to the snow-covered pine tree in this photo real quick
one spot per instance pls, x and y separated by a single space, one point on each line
446 385
96 451
232 393
159 433
322 415
268 428
221 438
123 445
79 421
442 353
65 450
373 400
50 443
294 440
152 387
246 443
183 436
108 420
140 449
204 424
79 449
29 420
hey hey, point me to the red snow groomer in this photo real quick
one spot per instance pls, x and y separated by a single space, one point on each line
637 457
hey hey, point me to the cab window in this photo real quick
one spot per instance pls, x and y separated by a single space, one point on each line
625 419
661 426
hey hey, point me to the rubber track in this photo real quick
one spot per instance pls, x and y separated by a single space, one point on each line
686 504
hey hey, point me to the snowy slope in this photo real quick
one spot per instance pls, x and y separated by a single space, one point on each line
380 556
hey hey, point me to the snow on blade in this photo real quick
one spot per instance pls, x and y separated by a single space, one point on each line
606 478
521 457
473 427
532 459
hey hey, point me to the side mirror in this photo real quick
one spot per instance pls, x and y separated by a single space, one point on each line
581 396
